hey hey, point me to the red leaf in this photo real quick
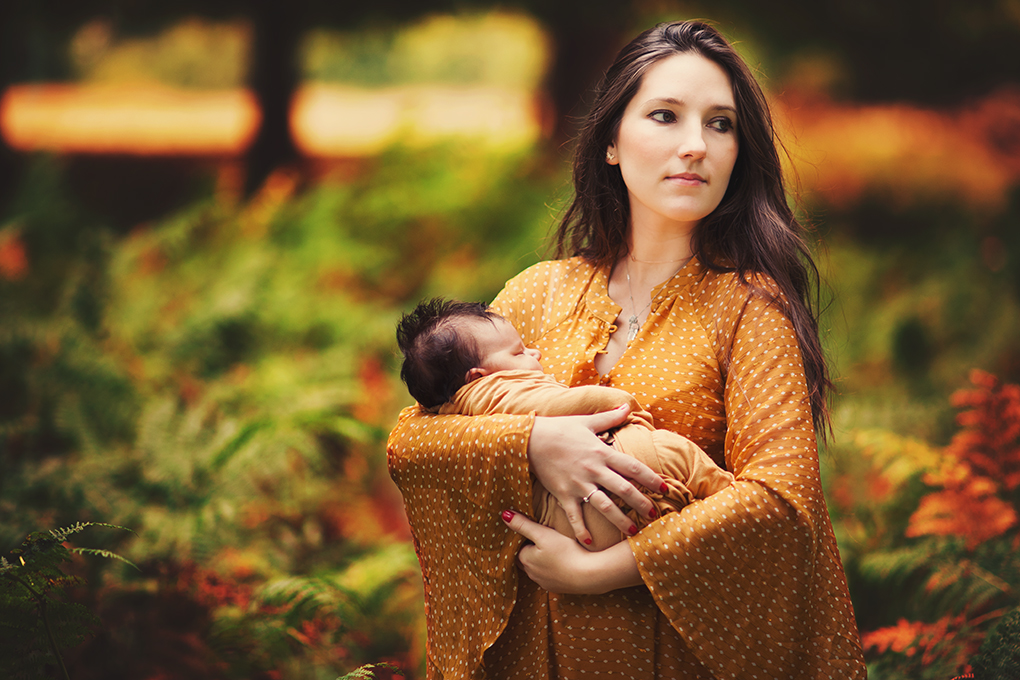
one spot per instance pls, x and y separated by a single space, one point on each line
970 511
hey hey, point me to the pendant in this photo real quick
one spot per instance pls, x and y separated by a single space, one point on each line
632 329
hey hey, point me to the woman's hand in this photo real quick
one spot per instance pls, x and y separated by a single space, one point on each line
573 464
560 565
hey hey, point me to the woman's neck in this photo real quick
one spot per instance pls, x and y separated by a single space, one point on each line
653 258
655 255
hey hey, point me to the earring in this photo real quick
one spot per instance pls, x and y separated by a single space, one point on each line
610 157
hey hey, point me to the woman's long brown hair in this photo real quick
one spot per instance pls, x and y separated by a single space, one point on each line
752 231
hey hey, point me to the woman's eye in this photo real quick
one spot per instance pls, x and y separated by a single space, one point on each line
662 116
721 124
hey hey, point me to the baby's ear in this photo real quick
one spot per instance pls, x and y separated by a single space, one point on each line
475 374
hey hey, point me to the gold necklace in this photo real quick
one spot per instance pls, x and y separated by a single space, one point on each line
631 256
633 325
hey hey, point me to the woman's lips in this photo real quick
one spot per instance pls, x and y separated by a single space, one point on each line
687 179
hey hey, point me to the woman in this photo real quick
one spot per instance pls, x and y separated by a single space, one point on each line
688 286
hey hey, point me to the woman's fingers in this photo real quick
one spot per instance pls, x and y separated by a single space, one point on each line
533 531
607 420
576 518
632 469
570 461
604 504
636 471
553 561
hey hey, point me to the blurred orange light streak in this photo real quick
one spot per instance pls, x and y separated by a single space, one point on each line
842 151
335 120
139 120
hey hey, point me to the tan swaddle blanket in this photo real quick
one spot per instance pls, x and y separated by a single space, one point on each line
687 470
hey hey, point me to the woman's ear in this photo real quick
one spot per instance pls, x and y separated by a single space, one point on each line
475 374
611 154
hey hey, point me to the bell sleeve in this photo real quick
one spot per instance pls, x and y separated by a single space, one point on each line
457 474
750 577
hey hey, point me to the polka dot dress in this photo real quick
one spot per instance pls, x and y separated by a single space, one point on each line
744 584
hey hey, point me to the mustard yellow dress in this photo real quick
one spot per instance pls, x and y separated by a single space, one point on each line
744 584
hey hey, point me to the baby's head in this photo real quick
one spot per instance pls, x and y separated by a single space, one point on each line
447 344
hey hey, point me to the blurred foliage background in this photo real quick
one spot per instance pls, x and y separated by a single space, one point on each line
199 346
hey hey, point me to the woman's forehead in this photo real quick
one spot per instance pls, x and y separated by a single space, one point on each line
684 78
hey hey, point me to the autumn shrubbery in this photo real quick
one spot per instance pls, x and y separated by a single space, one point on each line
222 382
933 537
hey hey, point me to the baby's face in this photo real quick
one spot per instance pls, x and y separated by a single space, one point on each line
501 348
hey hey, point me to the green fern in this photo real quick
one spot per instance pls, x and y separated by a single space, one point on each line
37 622
999 656
367 671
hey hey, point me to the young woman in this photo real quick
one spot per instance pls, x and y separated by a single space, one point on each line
685 282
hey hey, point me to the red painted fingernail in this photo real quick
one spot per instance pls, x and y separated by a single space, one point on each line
663 488
654 512
587 541
633 529
508 515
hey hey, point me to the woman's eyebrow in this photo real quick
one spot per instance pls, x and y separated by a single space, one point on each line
679 102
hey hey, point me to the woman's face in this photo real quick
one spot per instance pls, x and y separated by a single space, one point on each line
677 142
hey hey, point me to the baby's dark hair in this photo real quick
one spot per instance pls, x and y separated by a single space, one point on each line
436 356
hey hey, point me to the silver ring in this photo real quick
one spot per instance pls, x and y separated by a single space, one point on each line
588 497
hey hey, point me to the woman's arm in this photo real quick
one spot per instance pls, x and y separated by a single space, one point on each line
755 567
481 457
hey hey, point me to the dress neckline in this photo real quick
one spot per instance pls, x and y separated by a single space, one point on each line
604 308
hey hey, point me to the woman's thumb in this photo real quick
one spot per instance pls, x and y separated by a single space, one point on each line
607 420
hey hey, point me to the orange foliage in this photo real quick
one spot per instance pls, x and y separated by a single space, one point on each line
968 512
211 589
982 461
898 638
990 439
13 257
950 638
376 392
903 152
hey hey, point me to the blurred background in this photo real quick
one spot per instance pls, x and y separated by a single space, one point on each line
213 213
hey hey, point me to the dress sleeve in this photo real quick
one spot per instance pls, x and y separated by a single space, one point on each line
457 474
751 576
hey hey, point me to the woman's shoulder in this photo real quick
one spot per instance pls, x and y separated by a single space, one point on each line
543 295
554 272
550 278
725 283
721 298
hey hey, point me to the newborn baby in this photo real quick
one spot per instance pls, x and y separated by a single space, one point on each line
461 357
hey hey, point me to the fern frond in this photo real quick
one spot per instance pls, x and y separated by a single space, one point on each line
234 445
99 552
899 564
368 671
999 656
62 534
302 593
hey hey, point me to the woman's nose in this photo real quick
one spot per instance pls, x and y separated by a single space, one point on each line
692 144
